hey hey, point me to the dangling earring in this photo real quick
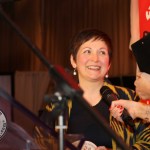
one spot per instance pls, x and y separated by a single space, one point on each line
74 72
106 76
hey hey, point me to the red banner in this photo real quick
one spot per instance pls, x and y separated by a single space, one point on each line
144 16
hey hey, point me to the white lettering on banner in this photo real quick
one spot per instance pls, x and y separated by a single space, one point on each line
148 13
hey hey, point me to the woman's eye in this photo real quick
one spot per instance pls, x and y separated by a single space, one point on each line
102 52
87 51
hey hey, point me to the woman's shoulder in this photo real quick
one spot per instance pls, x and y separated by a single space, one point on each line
114 87
122 92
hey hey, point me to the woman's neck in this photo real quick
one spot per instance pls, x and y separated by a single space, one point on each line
91 91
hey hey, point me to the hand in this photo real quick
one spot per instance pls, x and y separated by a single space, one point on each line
132 107
116 111
142 84
102 148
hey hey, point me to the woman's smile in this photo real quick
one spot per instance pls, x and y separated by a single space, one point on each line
95 68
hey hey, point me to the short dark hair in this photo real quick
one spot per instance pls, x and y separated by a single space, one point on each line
87 34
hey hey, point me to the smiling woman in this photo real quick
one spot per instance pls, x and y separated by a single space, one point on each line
92 60
90 55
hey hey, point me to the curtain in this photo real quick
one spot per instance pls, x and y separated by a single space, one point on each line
50 24
61 20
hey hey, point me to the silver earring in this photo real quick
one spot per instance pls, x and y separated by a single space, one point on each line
74 72
106 76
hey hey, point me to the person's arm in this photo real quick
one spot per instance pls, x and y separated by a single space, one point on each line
142 129
144 112
135 109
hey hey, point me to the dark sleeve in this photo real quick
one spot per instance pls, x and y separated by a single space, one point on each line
48 118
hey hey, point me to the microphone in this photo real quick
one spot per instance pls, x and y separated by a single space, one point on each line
55 98
110 96
59 103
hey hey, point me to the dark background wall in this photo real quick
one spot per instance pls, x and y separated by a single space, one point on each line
51 24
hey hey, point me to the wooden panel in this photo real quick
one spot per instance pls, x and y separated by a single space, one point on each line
5 106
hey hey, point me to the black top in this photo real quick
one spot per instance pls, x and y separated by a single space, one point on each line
81 122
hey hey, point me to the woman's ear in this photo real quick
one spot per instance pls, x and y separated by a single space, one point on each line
72 61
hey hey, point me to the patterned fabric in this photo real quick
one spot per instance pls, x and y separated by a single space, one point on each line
139 139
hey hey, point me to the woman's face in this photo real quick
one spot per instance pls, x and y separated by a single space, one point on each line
92 60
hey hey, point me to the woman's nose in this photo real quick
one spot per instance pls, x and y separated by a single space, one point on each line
94 57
